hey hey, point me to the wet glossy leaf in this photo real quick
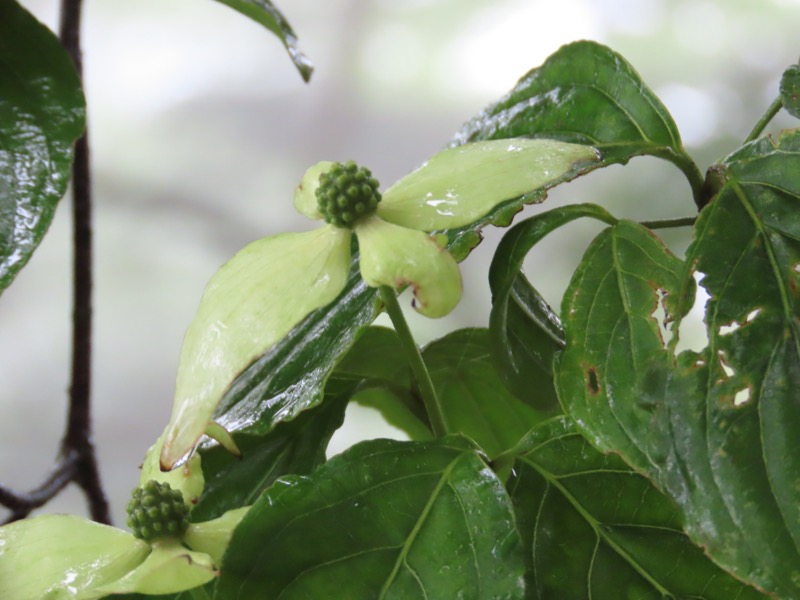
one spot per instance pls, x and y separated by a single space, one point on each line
41 115
265 13
474 399
525 334
294 447
411 519
716 429
290 377
594 528
587 94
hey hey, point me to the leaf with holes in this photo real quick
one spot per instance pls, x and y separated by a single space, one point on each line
625 538
716 429
41 115
411 519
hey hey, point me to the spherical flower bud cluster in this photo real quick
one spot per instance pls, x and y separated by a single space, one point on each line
155 510
346 194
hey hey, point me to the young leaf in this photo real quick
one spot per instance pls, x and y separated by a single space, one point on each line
42 113
264 13
409 519
594 528
524 333
716 429
790 90
474 399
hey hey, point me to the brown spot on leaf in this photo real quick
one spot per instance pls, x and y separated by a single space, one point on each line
594 383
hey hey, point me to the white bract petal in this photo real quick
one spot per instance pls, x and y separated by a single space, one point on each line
397 256
213 537
249 305
460 185
169 568
305 195
64 556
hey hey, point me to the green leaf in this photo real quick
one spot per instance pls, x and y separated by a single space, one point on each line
790 90
594 528
377 367
296 446
409 519
264 13
524 332
584 93
474 399
716 429
291 376
42 113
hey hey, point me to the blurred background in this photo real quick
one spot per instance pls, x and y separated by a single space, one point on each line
201 128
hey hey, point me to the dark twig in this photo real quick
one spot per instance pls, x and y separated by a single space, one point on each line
77 462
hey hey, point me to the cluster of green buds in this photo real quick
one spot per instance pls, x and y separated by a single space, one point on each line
346 194
156 511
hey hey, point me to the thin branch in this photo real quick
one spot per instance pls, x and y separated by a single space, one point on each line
77 461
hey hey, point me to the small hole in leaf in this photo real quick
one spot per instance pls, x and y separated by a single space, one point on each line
742 397
729 371
729 328
594 384
663 320
692 334
752 315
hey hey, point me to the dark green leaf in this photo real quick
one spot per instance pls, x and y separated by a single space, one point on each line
524 332
264 13
474 399
790 90
594 528
294 447
716 429
41 115
290 378
402 410
587 94
384 519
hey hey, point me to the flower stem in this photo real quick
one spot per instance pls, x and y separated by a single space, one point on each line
773 109
429 398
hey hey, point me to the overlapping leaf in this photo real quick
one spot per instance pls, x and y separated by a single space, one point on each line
584 93
265 13
474 399
716 429
295 447
385 519
525 334
594 528
41 115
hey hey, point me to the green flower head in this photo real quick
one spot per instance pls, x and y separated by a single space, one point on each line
258 296
67 557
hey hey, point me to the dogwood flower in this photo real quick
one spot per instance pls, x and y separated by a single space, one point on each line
65 557
266 289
